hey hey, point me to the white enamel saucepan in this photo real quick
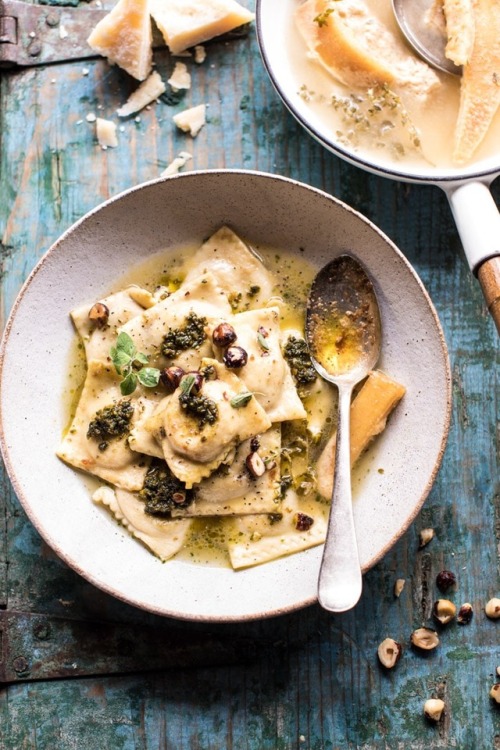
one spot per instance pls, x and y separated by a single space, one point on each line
467 188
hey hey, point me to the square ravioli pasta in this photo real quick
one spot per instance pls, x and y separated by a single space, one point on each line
201 408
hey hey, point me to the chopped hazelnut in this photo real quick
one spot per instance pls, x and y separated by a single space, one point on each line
444 611
99 314
445 580
255 465
303 522
425 638
492 609
465 614
425 537
495 692
389 652
399 586
433 709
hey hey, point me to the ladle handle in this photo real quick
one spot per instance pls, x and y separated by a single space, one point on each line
478 223
340 580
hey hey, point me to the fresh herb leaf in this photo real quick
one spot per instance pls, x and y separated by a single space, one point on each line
322 18
143 359
128 384
148 376
125 344
119 358
186 384
241 399
262 342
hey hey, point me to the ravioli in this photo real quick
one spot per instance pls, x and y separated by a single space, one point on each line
238 270
233 491
164 537
116 463
266 373
122 306
201 296
181 436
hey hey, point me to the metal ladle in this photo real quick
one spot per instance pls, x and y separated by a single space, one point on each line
343 332
425 37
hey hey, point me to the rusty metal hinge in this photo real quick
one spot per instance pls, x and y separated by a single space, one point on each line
40 34
42 647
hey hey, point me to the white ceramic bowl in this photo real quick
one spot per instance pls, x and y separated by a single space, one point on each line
87 261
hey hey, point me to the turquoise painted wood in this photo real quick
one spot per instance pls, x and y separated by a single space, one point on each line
306 681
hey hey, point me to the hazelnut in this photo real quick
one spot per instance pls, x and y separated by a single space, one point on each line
445 580
99 314
495 692
235 357
433 709
255 465
179 497
444 611
425 537
389 652
465 614
254 444
171 377
424 638
399 586
303 522
492 609
224 335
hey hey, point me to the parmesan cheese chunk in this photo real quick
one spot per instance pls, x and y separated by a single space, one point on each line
124 36
180 78
106 133
186 24
148 91
176 164
191 120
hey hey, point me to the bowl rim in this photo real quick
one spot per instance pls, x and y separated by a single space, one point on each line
11 472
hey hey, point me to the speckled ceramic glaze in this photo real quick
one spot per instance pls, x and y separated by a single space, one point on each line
87 261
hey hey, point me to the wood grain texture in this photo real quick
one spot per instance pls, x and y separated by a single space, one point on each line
321 687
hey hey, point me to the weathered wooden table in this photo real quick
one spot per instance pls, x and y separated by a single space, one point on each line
309 680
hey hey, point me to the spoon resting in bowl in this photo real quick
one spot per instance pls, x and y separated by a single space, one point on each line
343 333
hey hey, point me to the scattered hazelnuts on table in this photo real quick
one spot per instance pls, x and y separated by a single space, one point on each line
492 609
399 586
425 639
444 611
433 708
389 652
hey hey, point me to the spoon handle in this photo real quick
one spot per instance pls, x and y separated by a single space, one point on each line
340 581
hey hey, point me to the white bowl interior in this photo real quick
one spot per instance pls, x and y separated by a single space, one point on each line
88 260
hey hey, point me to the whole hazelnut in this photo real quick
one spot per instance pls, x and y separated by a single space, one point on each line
99 314
444 611
235 357
224 335
465 614
492 609
445 580
171 377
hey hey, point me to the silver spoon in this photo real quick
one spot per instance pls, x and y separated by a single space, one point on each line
425 38
343 333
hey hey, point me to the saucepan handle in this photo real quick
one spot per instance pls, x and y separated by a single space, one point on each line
478 223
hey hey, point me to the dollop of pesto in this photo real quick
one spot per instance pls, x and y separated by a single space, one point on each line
297 355
189 336
202 408
162 491
110 423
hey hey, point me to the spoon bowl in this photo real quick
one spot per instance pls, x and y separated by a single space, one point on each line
426 38
343 332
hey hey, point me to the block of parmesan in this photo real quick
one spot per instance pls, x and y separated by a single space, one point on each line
106 133
147 92
369 412
124 36
460 25
186 24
